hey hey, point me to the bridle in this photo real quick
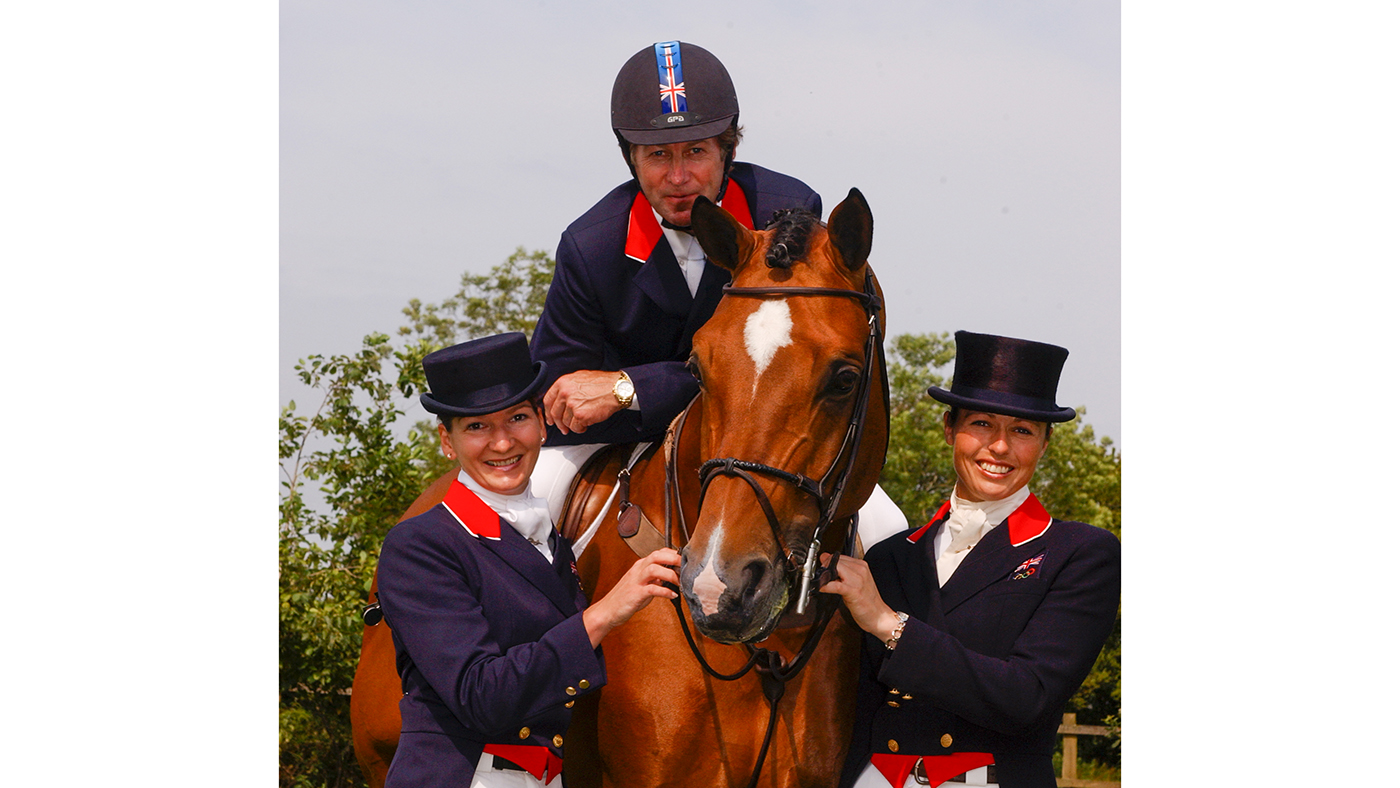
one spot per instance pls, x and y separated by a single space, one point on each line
838 475
773 671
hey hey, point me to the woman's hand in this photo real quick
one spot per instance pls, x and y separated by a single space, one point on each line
857 589
633 592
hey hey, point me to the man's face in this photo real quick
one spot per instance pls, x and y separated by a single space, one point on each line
672 176
994 455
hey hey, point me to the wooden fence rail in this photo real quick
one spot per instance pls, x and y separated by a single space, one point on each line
1069 762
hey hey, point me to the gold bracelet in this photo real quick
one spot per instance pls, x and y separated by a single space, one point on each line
898 631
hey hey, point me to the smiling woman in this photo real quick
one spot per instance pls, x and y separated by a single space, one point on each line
983 623
994 455
498 450
492 640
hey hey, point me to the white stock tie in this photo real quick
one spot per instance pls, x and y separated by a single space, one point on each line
527 513
529 516
966 525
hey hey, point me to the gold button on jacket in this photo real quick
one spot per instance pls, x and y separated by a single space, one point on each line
570 704
570 691
583 684
893 745
893 703
524 733
558 740
947 740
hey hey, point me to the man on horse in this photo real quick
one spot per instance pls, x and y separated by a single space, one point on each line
632 284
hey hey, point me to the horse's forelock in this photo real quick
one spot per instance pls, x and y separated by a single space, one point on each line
792 228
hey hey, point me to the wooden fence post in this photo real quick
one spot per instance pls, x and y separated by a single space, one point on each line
1069 762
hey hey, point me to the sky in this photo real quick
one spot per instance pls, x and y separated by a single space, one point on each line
420 141
149 232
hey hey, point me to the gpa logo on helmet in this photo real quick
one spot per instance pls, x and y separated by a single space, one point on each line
674 119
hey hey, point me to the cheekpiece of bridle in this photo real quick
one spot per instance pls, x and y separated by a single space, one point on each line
773 672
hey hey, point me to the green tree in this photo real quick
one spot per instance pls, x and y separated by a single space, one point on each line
1079 478
367 474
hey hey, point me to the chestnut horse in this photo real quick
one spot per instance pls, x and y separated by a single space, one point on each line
786 438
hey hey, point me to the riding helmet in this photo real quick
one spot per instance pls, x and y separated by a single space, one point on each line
672 92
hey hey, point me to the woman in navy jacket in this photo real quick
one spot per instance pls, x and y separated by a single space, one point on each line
493 638
983 623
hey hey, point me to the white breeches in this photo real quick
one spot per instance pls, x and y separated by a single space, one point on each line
487 776
880 518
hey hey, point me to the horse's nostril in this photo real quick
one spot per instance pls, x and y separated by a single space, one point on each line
753 579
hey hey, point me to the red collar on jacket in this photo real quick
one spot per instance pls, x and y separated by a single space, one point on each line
479 519
1029 521
644 232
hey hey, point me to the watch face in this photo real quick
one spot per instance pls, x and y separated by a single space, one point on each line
622 389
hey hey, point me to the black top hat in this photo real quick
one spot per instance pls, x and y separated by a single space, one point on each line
1013 377
481 376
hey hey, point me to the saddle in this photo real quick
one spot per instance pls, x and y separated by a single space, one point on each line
592 492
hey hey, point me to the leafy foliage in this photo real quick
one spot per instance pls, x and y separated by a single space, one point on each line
509 298
1079 478
367 476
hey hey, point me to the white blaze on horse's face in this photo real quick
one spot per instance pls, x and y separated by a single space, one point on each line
767 329
708 587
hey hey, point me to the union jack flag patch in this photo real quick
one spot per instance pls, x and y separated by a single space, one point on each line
668 69
1030 567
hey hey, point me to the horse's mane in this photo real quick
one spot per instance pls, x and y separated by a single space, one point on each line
791 228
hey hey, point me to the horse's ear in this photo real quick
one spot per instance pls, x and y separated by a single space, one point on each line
725 241
849 229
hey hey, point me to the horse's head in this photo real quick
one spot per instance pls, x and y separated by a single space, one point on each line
792 408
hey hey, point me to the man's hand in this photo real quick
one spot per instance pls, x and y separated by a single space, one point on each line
581 399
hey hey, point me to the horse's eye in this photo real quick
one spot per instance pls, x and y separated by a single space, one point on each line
693 368
845 382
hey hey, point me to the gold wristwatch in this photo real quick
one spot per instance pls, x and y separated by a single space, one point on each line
624 391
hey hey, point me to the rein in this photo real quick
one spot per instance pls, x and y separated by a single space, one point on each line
773 672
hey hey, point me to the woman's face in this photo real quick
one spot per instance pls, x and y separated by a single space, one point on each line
994 455
498 450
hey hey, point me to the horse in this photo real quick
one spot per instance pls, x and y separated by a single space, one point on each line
764 470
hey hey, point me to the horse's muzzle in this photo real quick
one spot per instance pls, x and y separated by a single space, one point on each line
738 600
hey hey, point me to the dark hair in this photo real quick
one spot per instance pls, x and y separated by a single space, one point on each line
728 141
